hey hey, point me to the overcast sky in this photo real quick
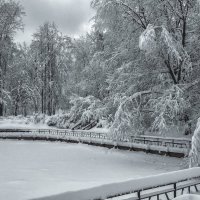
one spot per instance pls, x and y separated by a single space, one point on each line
71 16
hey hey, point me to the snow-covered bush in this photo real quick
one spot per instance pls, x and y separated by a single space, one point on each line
63 121
38 118
167 107
103 123
52 121
163 109
127 119
59 121
195 151
147 40
85 109
94 112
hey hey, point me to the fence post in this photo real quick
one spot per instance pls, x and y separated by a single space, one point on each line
139 195
175 194
172 143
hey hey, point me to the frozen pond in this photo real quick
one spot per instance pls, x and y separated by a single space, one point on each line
35 169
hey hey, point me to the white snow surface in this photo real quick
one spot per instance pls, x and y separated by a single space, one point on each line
31 170
17 123
195 151
188 197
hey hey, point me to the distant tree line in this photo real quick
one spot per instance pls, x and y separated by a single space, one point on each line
139 63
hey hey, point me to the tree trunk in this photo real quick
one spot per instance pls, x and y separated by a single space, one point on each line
1 109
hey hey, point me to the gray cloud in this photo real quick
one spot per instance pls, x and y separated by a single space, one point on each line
71 16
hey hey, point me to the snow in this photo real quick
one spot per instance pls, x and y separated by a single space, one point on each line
188 197
36 169
84 137
100 130
20 123
195 151
108 190
147 40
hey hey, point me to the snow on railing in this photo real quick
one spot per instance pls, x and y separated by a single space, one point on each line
147 143
168 185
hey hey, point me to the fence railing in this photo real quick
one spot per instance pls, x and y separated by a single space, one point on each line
142 139
163 141
150 144
166 190
163 186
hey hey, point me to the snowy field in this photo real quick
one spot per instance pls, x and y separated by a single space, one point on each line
35 169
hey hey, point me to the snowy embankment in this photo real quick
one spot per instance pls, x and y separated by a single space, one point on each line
20 123
109 190
31 170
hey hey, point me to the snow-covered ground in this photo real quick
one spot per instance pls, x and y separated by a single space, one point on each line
188 197
100 130
35 169
20 123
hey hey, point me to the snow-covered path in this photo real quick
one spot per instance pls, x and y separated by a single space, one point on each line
36 169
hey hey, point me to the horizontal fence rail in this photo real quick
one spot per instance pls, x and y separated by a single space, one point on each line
161 141
163 186
142 142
